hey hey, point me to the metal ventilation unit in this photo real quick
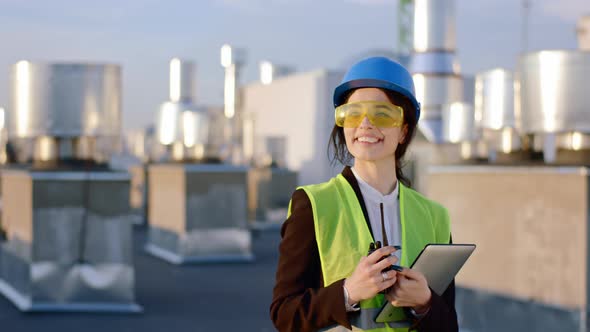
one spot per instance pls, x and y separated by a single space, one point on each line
181 125
67 215
554 104
197 209
64 114
459 127
495 114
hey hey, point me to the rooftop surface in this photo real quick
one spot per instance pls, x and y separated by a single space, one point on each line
205 297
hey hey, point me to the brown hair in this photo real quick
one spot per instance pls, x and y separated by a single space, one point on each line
337 141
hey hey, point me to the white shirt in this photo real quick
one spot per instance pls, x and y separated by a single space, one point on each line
391 215
391 219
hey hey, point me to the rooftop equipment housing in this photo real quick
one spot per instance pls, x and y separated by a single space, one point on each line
554 103
181 125
495 111
68 241
65 109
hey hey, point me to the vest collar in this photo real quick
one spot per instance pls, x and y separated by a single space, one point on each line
349 176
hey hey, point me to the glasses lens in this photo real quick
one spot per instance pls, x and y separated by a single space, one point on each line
380 114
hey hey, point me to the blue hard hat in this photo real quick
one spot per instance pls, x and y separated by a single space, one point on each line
378 72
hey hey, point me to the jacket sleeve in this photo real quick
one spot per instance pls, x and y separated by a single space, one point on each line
300 302
442 316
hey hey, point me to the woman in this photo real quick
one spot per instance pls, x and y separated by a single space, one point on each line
325 280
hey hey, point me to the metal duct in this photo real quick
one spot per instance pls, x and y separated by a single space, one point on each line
495 111
232 60
434 66
182 85
183 123
441 63
181 126
494 99
65 100
433 92
168 123
434 25
554 94
458 123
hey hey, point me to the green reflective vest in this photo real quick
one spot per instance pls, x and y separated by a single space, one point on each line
343 237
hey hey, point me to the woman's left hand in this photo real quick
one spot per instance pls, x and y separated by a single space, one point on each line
410 290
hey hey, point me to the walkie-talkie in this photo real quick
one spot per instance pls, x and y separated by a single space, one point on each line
377 245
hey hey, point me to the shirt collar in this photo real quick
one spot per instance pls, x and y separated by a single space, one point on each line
373 194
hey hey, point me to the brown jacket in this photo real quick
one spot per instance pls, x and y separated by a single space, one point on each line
300 300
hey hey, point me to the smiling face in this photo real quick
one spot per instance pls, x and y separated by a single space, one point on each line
368 143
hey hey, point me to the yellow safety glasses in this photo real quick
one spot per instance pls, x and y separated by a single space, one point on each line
381 114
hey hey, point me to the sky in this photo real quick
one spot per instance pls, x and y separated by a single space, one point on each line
143 35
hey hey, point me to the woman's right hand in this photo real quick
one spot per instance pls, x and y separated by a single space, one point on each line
367 280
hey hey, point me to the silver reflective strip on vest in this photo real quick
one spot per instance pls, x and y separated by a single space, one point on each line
364 320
